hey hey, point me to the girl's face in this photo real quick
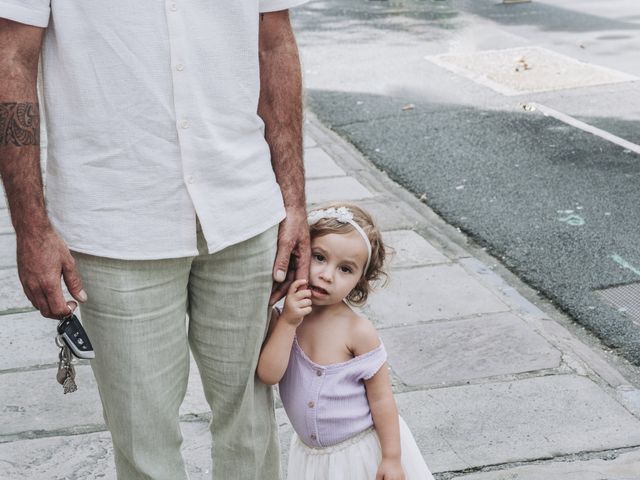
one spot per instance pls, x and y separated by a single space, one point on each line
337 261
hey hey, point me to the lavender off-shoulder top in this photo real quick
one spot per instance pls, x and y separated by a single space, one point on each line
327 404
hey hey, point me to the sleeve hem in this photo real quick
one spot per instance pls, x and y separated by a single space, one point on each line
28 16
267 6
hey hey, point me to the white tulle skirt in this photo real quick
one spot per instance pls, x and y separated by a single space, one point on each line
354 459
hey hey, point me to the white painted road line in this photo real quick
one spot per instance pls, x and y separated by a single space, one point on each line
574 122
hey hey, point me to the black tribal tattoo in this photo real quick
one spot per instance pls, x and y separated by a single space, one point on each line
19 124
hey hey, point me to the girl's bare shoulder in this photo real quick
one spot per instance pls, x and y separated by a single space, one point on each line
363 336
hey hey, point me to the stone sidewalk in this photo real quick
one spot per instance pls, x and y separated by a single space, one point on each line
493 386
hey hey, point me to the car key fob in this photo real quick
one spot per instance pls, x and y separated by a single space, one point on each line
75 336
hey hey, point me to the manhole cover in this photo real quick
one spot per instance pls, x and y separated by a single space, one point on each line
625 298
515 71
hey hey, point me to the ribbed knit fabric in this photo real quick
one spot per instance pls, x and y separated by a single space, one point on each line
327 404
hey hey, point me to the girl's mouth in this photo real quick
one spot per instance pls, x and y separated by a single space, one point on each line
318 290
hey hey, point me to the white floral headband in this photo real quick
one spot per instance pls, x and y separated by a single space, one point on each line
343 215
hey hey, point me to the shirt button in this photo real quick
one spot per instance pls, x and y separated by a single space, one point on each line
311 404
180 67
173 7
190 179
184 124
319 373
312 436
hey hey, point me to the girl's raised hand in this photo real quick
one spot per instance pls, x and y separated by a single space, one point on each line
297 303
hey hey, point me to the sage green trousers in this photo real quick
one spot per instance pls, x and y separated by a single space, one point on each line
136 320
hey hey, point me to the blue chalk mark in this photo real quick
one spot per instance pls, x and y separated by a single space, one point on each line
624 264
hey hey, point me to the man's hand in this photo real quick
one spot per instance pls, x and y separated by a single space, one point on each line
43 258
297 304
294 253
280 107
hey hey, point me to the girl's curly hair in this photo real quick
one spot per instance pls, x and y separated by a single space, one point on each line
375 273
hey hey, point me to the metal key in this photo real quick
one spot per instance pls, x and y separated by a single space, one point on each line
66 371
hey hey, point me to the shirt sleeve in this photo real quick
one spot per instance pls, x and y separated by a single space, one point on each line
369 363
276 5
29 12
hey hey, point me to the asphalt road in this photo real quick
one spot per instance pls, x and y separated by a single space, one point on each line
557 205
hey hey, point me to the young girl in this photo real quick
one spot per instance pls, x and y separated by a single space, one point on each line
334 380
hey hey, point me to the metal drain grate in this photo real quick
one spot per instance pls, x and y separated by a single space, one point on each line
625 298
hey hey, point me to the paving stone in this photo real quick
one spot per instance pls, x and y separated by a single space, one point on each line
27 340
487 424
514 71
388 214
5 222
429 293
625 466
7 250
12 296
92 454
318 164
309 141
458 350
33 400
335 189
411 250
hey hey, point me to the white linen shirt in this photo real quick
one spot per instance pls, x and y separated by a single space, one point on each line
151 114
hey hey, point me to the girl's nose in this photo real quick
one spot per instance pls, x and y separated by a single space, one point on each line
326 275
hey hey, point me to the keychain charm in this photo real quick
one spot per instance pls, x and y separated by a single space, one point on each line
66 375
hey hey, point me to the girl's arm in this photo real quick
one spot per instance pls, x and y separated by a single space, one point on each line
276 349
385 418
382 404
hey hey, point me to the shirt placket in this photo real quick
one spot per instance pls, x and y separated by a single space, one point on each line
313 395
179 76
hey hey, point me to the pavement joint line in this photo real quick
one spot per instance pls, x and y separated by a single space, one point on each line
331 177
421 265
560 370
566 458
203 417
574 122
462 318
42 366
14 311
446 320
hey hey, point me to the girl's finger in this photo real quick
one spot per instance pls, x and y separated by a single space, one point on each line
296 284
302 294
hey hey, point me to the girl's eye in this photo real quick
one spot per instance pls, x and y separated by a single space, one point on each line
318 257
346 269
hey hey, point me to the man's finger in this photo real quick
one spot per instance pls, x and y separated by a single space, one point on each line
303 259
40 302
57 304
281 264
73 282
279 290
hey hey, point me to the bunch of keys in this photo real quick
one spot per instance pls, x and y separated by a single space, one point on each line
72 340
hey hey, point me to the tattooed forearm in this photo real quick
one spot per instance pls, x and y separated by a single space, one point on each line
19 124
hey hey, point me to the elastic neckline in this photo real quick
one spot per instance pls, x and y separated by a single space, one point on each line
333 366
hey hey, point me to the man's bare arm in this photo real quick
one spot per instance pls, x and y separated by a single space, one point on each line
42 255
280 107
